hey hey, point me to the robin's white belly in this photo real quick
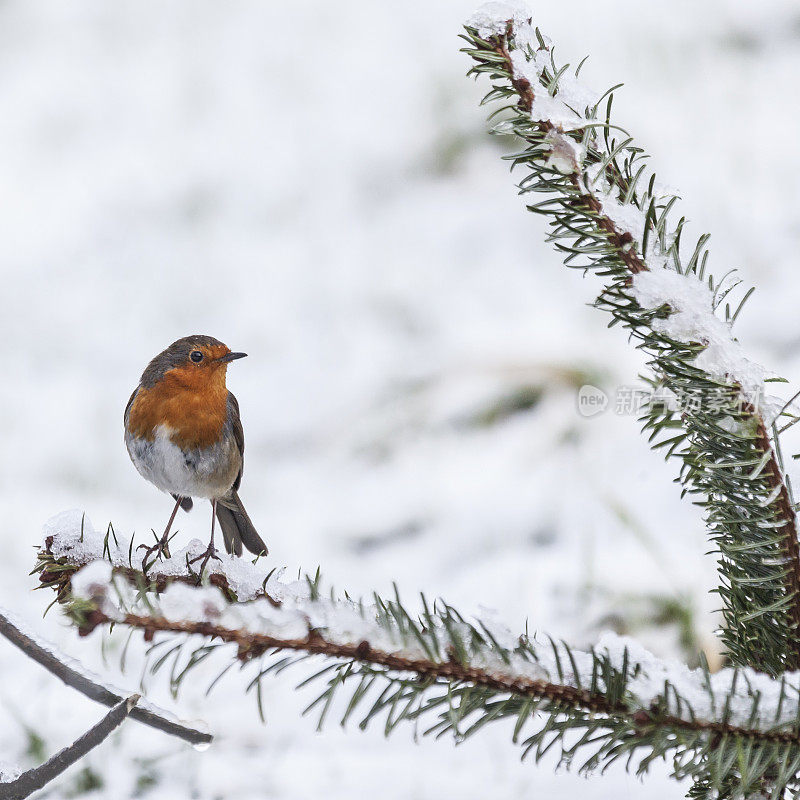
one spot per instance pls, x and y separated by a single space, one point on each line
202 472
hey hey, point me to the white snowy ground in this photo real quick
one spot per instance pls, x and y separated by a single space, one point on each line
312 184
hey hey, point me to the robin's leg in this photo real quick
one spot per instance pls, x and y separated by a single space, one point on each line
162 545
210 551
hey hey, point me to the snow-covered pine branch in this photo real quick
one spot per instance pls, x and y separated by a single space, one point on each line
608 214
72 535
592 708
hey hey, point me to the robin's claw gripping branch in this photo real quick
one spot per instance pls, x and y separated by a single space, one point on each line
161 548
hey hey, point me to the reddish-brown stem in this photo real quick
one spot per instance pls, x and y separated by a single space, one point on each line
253 645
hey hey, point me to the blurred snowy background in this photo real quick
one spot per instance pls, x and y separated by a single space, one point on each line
312 183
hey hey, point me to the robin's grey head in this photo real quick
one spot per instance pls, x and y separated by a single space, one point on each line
191 353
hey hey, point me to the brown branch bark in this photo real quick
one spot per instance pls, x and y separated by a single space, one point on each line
788 529
252 645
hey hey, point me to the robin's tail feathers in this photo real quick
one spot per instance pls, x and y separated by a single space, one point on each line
237 529
186 502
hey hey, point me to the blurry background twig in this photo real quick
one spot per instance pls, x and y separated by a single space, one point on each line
68 671
34 779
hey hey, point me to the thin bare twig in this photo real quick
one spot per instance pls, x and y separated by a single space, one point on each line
58 666
34 779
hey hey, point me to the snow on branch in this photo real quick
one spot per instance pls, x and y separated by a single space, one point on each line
458 673
608 214
31 781
71 534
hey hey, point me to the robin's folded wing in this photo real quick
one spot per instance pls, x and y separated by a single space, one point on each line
130 403
235 421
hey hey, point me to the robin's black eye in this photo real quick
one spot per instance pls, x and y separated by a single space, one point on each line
196 356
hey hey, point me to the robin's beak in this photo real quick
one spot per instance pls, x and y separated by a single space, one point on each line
231 357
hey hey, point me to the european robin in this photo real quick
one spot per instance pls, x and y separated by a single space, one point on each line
184 435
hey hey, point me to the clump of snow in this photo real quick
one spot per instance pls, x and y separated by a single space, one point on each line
693 320
736 427
9 772
546 108
244 577
564 110
491 19
92 581
178 602
595 179
626 216
73 536
566 155
68 525
665 191
575 93
529 60
741 686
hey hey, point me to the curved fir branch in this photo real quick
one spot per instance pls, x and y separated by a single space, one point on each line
607 214
737 728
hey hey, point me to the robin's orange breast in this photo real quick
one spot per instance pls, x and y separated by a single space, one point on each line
192 405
